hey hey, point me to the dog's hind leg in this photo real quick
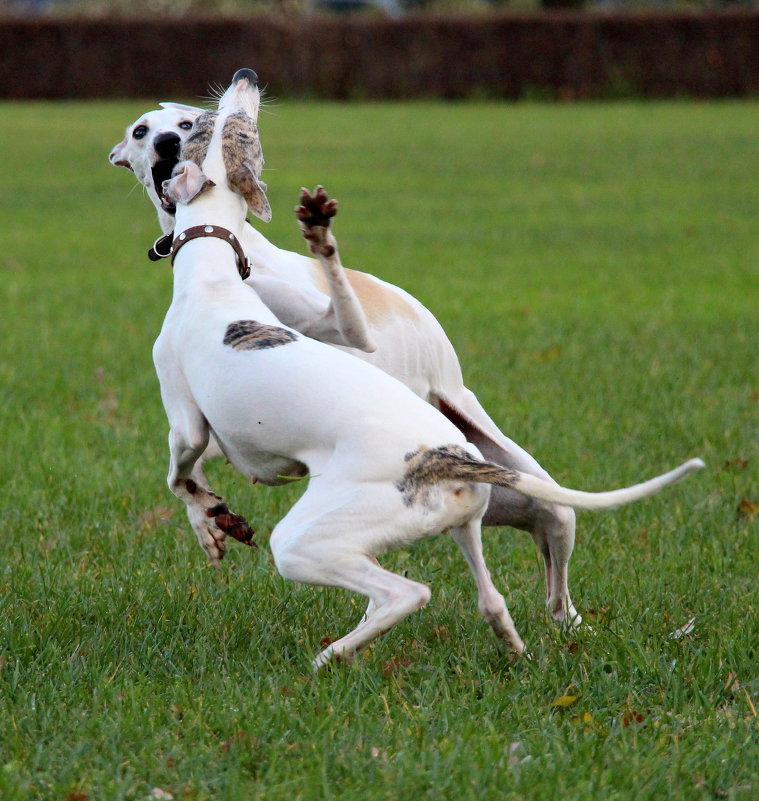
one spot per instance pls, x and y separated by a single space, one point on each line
551 526
553 531
392 597
490 601
328 538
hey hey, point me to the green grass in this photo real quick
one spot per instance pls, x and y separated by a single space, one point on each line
596 268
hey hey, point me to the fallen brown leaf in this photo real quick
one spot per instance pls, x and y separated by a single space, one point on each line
683 631
747 509
394 666
632 716
739 463
732 683
440 633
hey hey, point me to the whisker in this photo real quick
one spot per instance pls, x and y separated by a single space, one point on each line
216 92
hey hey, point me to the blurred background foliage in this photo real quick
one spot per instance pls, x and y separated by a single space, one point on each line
209 8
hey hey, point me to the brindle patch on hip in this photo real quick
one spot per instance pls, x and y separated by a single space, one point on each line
429 466
251 335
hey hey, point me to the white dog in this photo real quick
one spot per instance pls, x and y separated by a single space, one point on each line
386 468
401 337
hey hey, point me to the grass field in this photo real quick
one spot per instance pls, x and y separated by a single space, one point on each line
597 268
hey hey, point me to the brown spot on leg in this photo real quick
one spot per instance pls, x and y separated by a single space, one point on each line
235 526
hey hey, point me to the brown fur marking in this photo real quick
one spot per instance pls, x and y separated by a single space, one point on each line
195 147
232 525
251 335
244 162
429 466
240 143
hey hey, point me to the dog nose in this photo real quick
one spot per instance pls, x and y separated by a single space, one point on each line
167 145
246 73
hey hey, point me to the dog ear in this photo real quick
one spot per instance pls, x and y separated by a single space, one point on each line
117 157
254 191
182 107
187 184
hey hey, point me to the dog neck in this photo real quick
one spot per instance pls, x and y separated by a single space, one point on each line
215 232
212 226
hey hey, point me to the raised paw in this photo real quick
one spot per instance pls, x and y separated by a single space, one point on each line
316 209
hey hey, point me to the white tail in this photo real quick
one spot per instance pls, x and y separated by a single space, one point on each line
535 487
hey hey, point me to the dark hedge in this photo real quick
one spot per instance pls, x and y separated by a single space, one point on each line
552 55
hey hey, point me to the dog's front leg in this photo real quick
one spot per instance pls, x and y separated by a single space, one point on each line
189 435
344 322
209 516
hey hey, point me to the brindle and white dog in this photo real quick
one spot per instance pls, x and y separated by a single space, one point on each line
386 467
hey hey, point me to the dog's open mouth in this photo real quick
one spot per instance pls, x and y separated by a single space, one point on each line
161 171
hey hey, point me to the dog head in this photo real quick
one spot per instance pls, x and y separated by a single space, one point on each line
150 149
224 146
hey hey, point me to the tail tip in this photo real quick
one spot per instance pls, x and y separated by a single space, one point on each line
694 464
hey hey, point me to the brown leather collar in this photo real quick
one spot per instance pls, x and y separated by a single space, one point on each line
243 266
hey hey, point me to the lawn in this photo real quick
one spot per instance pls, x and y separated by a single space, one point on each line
597 268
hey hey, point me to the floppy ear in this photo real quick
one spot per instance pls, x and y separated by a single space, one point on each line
117 156
182 107
243 178
187 184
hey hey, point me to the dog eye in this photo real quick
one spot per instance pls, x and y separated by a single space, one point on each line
140 131
185 126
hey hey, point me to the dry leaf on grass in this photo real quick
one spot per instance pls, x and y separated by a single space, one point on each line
157 794
747 509
394 666
739 463
563 701
683 631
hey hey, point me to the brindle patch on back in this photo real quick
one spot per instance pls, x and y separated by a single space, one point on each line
429 466
252 335
195 147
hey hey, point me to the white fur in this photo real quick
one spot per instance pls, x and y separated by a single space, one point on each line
302 403
399 335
